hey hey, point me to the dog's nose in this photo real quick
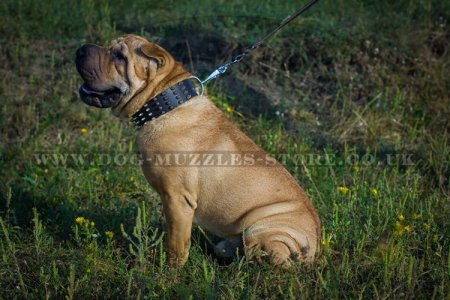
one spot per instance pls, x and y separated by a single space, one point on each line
85 50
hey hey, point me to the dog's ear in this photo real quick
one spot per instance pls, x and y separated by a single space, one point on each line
155 52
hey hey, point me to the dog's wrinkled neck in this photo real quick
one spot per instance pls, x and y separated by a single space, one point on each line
172 73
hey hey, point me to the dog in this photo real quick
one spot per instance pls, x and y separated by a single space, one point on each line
255 205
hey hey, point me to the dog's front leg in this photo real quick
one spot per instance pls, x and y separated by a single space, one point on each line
179 213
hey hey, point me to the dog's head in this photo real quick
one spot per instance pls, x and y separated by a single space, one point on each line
113 75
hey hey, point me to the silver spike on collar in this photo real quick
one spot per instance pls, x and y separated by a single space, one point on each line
164 102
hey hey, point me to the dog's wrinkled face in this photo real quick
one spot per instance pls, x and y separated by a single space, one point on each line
115 73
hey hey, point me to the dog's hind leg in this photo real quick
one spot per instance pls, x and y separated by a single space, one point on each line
281 242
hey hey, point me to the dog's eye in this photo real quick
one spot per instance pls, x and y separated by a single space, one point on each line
118 56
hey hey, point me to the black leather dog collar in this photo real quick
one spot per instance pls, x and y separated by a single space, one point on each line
164 102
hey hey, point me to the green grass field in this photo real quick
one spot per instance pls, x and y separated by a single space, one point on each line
365 83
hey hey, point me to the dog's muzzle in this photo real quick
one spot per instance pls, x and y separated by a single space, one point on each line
87 57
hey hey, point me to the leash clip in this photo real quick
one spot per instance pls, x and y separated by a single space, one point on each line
220 70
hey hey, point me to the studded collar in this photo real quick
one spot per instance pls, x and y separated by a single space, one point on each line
164 102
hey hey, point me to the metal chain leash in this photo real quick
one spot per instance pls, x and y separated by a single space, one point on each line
223 68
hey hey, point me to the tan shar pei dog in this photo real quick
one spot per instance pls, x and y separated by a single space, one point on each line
205 170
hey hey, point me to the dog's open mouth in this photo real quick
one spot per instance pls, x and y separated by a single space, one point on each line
101 99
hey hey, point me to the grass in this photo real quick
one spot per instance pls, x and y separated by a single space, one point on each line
364 84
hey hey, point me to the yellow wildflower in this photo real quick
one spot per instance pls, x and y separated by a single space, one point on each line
374 192
80 220
400 216
417 216
229 108
399 229
398 233
343 189
356 168
407 228
109 234
84 130
92 224
132 178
